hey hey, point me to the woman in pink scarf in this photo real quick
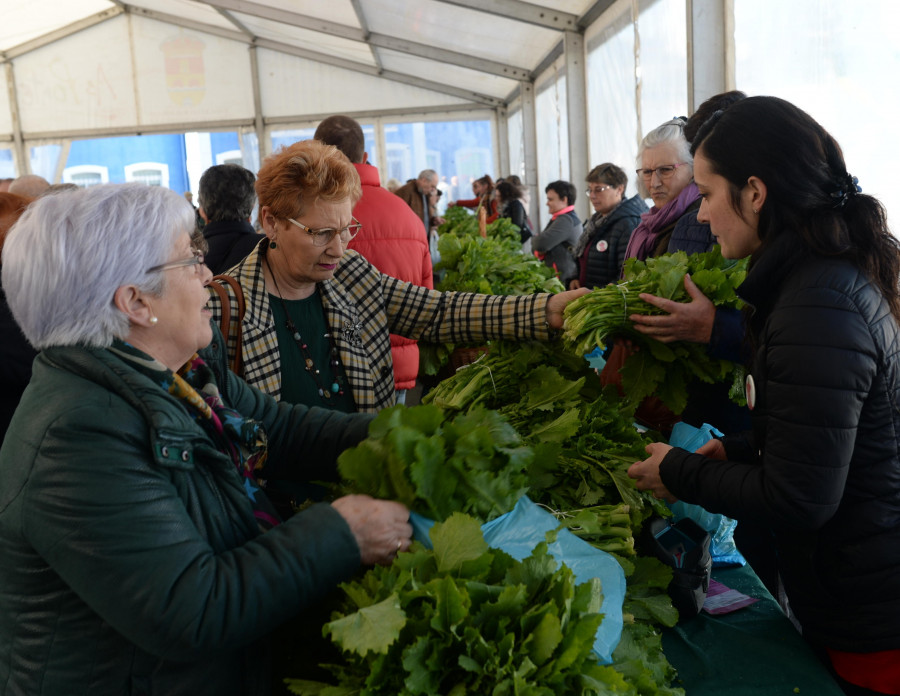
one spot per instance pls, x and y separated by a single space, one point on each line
666 175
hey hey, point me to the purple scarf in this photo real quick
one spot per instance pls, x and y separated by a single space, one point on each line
643 239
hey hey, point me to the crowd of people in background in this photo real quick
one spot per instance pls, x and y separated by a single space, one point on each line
131 409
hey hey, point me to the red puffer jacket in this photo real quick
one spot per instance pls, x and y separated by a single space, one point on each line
393 240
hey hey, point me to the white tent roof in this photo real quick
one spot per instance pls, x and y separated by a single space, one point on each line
97 67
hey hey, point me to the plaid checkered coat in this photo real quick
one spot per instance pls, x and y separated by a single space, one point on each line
363 308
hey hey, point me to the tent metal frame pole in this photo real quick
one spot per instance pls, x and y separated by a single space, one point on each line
21 161
576 110
372 39
262 143
529 144
521 12
147 129
62 33
404 114
381 150
708 40
502 138
364 24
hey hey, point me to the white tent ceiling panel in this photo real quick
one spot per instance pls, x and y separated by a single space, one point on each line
308 39
186 9
24 20
296 86
5 112
473 80
185 76
84 81
462 30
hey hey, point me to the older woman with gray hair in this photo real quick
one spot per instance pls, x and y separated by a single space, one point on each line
666 174
139 553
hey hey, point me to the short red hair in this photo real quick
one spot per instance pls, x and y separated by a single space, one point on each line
300 174
12 205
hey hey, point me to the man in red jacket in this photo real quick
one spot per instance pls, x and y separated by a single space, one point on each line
392 237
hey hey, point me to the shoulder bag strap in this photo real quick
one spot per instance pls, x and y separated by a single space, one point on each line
217 285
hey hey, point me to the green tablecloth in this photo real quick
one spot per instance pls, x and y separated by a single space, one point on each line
754 651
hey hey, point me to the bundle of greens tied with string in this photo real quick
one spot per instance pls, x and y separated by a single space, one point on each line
656 368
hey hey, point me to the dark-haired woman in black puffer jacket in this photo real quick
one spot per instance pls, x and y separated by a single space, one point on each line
821 467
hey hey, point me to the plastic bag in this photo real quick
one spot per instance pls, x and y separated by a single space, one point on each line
720 528
524 527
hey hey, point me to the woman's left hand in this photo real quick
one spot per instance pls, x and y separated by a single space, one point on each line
685 321
557 304
646 473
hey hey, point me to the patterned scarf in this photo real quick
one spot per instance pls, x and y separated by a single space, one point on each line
242 439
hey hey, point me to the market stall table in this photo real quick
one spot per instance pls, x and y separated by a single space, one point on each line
754 651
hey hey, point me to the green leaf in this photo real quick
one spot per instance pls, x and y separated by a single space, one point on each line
452 605
371 629
457 539
420 678
657 608
544 639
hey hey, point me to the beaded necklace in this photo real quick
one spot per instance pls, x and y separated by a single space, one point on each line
337 387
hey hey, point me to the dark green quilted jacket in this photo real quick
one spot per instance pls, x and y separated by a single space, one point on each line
131 562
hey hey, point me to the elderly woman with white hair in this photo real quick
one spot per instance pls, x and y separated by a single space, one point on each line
665 174
139 554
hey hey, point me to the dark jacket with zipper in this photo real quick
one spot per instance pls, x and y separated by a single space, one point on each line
132 563
604 242
821 467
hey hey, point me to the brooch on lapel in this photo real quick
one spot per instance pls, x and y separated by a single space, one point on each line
351 331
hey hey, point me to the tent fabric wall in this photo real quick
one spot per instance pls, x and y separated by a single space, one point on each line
188 77
84 81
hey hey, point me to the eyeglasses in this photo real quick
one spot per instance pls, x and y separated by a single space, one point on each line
322 237
597 190
664 172
195 260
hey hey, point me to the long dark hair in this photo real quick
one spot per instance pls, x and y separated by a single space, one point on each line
508 191
810 194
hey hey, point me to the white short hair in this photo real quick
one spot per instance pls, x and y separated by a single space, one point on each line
671 132
68 254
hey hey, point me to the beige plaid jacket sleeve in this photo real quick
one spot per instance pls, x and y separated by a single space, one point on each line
363 308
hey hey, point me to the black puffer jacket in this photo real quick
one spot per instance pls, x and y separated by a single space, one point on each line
601 249
821 467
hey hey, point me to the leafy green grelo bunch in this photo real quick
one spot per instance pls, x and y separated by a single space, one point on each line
467 619
473 463
492 266
458 221
661 369
583 440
